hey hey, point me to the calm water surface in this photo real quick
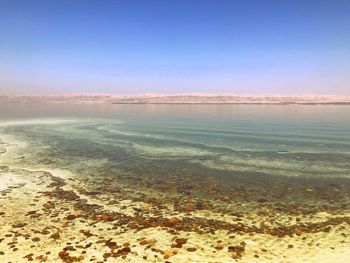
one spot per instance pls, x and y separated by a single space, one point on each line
259 146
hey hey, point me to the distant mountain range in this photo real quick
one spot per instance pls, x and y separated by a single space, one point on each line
195 98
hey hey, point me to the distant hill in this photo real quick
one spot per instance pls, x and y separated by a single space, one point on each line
176 99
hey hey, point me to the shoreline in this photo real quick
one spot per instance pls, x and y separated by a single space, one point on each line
67 220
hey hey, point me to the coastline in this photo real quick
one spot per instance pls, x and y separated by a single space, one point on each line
51 216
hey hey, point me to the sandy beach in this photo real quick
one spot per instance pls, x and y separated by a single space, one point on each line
52 216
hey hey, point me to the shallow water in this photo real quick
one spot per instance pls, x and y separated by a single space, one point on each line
219 141
273 140
292 160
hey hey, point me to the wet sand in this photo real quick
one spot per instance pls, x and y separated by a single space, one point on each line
54 215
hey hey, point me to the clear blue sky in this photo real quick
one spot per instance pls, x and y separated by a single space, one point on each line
177 46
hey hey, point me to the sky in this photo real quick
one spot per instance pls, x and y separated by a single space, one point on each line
145 46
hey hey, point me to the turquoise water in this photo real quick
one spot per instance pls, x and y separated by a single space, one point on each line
278 140
259 147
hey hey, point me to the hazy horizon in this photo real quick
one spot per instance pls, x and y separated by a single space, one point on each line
170 94
137 47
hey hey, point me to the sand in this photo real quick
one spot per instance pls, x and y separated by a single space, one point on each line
51 215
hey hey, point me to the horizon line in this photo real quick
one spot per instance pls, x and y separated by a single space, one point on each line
155 94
